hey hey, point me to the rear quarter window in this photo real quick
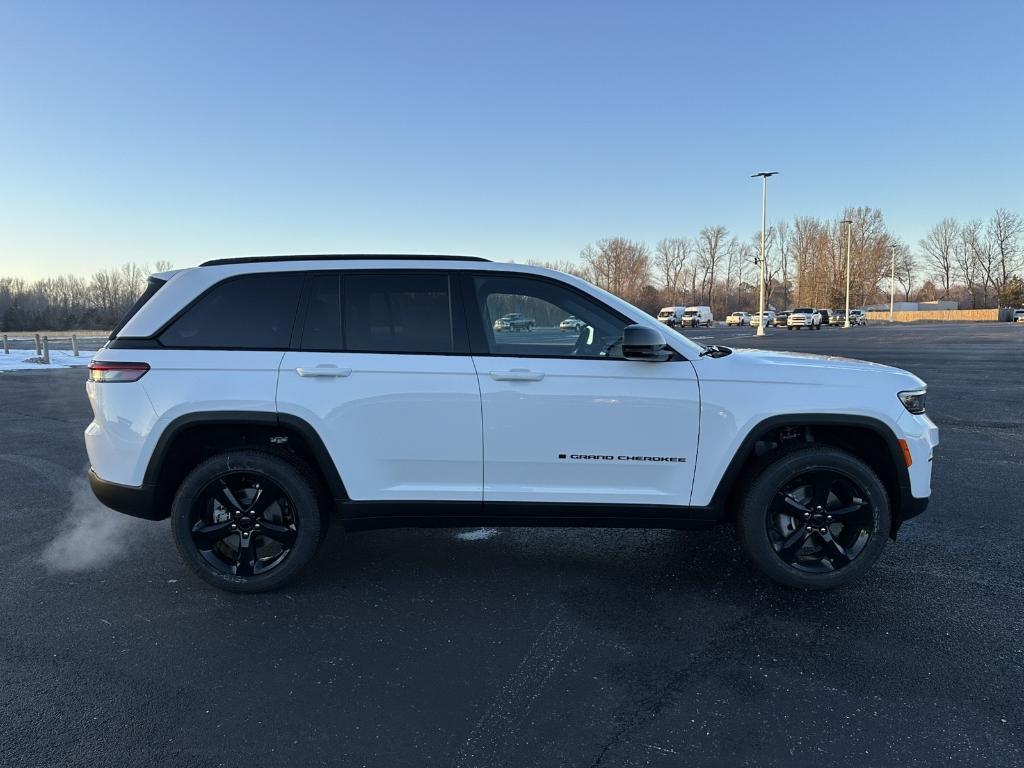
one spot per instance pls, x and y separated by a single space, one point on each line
153 285
250 312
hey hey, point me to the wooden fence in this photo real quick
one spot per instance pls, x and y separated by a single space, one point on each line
941 315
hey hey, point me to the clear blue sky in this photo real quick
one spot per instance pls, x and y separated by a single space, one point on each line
513 130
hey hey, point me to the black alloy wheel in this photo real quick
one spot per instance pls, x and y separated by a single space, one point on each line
243 524
819 521
814 517
248 520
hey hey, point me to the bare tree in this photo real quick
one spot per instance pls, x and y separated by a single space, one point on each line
1005 253
711 247
783 238
967 258
671 260
618 265
938 247
906 269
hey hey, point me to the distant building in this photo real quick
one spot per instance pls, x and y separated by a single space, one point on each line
916 306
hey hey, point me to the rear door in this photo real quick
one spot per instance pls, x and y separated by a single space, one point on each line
382 372
565 418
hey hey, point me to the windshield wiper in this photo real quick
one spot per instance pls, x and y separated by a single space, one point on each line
714 350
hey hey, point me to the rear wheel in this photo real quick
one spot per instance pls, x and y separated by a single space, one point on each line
246 521
815 518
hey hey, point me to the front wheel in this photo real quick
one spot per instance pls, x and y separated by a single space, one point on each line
246 521
815 518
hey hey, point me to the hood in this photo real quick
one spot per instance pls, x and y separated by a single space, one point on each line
756 365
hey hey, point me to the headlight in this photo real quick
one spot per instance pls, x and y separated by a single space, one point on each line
913 400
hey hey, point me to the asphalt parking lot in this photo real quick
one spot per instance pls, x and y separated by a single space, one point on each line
525 647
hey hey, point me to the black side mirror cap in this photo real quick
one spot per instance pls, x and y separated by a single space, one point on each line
642 343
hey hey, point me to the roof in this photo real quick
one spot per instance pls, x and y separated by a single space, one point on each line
338 257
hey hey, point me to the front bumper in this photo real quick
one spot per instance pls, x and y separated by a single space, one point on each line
134 500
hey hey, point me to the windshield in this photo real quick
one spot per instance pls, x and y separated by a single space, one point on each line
804 309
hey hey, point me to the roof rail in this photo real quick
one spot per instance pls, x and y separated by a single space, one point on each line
338 257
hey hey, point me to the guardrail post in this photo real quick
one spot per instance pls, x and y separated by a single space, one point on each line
39 349
74 344
7 348
46 350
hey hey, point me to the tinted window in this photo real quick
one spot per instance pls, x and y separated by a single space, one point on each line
397 313
253 312
152 286
322 329
523 316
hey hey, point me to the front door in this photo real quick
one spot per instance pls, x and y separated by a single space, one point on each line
565 418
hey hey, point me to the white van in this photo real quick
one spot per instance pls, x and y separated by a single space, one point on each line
697 316
671 316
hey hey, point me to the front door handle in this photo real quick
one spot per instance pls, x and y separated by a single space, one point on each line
324 371
517 374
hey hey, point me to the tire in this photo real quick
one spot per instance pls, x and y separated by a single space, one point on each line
201 510
768 518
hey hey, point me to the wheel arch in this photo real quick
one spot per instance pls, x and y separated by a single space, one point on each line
190 438
867 438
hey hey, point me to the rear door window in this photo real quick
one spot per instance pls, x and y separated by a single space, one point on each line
251 312
397 312
322 329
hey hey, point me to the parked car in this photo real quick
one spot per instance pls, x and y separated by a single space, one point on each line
838 317
671 316
769 316
858 317
781 318
573 324
377 391
738 318
804 317
1018 315
514 322
697 316
826 316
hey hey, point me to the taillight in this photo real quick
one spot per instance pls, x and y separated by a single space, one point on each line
113 372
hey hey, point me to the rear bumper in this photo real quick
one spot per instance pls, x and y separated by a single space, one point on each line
134 500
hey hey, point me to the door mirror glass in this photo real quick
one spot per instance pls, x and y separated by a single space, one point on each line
642 343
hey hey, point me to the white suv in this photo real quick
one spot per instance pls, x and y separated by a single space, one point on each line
250 400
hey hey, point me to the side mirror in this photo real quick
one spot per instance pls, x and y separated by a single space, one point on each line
642 343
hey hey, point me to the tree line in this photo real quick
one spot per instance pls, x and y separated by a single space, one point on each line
68 302
977 263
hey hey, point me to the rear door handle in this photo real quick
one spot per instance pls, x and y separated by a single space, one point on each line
517 374
324 371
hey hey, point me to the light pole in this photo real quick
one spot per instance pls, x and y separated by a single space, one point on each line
892 280
849 236
763 272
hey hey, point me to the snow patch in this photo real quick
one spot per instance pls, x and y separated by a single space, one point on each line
27 360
